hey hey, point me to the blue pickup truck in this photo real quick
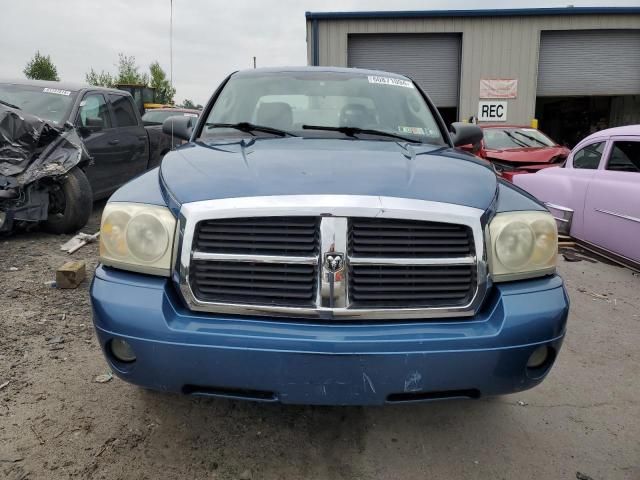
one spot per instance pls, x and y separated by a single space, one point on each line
319 240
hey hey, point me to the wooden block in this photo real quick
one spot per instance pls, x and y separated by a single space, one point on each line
70 275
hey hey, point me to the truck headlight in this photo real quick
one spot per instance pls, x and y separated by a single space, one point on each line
523 245
137 237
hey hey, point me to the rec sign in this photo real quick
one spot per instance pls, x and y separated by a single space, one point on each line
492 111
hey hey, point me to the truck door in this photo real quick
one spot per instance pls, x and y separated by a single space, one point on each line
95 125
612 207
133 142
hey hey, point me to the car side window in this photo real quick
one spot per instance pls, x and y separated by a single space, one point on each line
123 111
93 113
589 156
625 157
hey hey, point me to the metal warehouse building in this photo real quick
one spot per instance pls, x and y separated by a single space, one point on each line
575 70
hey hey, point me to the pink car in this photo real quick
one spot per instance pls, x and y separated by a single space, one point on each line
595 197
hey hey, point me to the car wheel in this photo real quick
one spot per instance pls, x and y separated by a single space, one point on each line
70 203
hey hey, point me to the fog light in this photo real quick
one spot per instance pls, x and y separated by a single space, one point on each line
538 357
122 350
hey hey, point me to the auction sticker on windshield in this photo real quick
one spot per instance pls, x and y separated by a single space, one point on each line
56 91
412 130
398 82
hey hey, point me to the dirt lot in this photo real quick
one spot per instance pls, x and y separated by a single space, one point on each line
57 422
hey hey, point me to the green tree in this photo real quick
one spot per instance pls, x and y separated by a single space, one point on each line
102 79
128 71
164 91
40 67
188 104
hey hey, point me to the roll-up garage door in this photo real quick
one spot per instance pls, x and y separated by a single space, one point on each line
432 60
594 62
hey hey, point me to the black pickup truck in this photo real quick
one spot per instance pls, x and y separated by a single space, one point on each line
63 146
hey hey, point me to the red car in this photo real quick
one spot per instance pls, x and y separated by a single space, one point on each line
516 149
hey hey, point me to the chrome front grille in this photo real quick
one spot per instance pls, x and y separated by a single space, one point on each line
332 257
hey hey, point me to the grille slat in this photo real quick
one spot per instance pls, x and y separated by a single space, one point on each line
260 237
253 284
253 247
249 267
385 237
400 251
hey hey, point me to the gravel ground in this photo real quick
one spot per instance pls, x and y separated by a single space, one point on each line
57 422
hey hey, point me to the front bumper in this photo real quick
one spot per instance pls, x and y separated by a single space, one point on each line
299 361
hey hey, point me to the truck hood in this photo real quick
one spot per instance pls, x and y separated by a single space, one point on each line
529 155
299 166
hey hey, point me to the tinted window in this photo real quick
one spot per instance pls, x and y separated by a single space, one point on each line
625 157
93 112
589 156
159 116
291 100
123 111
50 103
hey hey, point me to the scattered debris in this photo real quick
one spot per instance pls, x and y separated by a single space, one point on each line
583 476
71 274
40 439
4 384
596 295
54 340
104 378
13 269
79 241
51 284
572 256
11 459
522 403
107 444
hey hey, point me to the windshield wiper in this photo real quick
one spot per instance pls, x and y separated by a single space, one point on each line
516 140
531 138
351 131
250 127
11 105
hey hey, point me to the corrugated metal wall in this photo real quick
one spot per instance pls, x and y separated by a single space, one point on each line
437 70
499 47
595 62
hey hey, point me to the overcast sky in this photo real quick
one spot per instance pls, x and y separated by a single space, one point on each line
210 38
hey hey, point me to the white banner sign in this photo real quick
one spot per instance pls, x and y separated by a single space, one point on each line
492 111
498 88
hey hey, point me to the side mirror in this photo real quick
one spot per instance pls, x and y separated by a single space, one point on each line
465 133
83 131
178 126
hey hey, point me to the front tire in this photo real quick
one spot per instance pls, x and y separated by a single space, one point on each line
70 203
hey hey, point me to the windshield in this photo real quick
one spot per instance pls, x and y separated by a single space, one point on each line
505 138
53 104
290 100
159 116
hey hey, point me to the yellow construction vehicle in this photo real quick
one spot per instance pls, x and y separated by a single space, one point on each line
143 96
